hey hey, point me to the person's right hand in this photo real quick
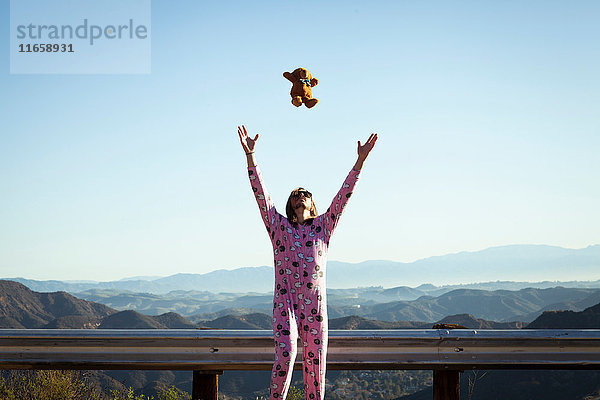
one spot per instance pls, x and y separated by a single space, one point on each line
247 142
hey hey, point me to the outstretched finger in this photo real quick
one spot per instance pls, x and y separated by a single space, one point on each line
256 137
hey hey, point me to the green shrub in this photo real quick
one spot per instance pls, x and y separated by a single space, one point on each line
127 394
47 385
164 392
172 393
70 385
295 393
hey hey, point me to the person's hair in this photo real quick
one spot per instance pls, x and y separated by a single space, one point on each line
289 210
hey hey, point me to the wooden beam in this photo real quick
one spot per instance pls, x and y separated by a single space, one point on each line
446 385
205 385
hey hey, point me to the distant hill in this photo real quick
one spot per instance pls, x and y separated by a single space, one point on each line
264 321
248 321
586 319
498 305
466 320
21 307
355 322
236 280
73 322
10 323
130 320
174 321
529 263
199 318
373 303
505 263
182 302
470 322
133 320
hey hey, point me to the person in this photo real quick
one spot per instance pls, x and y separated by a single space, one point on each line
300 243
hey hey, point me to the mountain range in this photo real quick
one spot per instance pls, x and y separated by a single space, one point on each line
21 308
529 263
374 303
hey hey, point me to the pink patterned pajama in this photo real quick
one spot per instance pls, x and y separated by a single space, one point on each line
300 304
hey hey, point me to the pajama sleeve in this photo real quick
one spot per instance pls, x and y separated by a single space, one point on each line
335 210
265 204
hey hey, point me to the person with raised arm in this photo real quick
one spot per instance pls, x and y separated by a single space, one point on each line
300 242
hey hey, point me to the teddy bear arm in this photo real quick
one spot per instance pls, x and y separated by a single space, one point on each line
314 82
288 76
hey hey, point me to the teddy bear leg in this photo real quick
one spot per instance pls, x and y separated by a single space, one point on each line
310 103
297 101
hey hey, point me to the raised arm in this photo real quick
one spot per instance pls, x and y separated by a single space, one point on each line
265 205
335 210
364 150
248 144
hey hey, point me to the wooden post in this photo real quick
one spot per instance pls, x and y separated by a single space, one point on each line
205 385
446 385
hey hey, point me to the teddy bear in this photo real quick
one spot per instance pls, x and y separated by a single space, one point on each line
302 82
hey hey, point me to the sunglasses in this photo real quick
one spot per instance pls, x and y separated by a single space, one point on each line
306 194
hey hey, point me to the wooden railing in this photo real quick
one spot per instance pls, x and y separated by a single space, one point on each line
210 352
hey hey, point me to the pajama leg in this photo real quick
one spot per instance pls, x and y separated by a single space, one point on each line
286 338
314 354
313 319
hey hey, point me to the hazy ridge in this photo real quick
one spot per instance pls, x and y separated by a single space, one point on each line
542 264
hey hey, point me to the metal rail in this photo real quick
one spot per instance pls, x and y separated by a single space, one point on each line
212 350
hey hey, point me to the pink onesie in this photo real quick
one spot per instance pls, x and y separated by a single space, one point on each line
300 304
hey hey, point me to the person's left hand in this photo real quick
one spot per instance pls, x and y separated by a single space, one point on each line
364 150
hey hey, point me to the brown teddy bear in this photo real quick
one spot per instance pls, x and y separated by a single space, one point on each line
302 82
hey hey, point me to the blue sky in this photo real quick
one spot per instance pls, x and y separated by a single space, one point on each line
487 114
